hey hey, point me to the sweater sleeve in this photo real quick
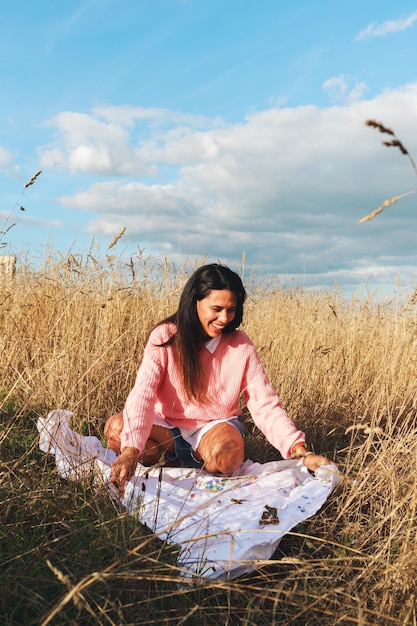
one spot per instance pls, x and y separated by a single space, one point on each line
266 408
139 409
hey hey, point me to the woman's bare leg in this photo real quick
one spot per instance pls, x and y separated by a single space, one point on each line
112 429
160 440
222 449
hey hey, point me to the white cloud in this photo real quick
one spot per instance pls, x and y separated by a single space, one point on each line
286 185
87 144
6 162
5 157
127 115
100 143
339 91
386 28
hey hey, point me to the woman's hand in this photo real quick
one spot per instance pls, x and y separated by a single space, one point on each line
314 461
123 467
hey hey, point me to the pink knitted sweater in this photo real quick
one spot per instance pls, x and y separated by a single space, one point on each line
234 366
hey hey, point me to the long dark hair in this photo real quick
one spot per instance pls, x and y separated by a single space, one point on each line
189 336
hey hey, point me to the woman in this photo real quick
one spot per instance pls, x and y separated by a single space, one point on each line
184 408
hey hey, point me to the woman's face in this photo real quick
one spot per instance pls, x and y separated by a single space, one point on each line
216 311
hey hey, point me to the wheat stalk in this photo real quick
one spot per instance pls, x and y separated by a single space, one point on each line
386 204
22 208
116 238
32 180
393 143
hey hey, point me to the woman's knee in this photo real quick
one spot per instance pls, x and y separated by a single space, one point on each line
231 456
222 449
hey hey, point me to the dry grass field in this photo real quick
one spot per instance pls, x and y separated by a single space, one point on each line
72 334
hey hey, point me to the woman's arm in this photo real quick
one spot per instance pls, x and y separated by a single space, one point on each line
138 413
271 418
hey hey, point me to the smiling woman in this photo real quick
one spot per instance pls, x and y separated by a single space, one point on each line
184 409
216 311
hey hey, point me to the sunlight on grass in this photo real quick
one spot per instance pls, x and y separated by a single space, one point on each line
72 337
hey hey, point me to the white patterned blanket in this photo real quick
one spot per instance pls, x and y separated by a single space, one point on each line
222 526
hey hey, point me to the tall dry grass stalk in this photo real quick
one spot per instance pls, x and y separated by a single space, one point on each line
392 143
72 337
5 226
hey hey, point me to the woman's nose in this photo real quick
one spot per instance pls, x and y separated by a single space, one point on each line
223 316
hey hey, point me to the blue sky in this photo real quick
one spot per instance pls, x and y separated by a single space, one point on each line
213 128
